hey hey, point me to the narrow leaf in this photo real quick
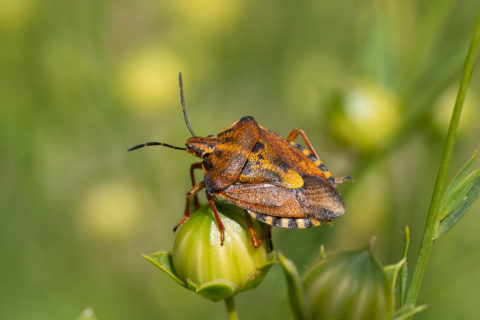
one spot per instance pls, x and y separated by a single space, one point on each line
461 175
296 294
163 261
404 269
408 311
458 201
391 272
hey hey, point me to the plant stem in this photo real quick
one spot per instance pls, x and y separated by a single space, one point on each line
231 311
432 219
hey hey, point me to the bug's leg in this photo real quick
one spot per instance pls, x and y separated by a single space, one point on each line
269 236
293 135
196 188
257 241
194 166
343 179
221 228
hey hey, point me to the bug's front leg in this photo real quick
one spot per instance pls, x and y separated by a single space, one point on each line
194 166
196 188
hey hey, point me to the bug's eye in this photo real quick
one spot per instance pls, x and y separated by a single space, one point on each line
205 155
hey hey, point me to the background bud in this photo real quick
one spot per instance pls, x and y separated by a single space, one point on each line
348 285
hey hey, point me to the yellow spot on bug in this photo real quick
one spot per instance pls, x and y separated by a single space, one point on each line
284 223
306 152
317 162
268 220
301 223
316 223
327 174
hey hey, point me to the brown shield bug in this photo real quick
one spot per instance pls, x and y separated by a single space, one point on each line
275 180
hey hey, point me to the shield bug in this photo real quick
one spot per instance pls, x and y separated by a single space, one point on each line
275 180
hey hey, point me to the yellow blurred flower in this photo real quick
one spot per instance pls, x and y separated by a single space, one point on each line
148 79
14 15
208 15
109 211
443 108
367 115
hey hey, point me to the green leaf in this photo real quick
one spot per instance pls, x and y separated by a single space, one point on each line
458 199
391 272
163 261
255 278
296 294
408 311
217 290
87 314
460 175
404 268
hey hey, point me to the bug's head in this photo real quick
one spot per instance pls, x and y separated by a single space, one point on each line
201 146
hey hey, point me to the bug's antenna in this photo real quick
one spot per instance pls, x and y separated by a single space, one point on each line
147 144
182 99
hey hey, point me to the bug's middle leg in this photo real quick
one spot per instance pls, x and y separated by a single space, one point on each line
221 228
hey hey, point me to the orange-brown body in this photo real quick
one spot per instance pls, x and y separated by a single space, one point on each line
274 179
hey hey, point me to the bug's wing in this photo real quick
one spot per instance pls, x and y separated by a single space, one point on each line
234 144
317 198
264 165
264 198
320 198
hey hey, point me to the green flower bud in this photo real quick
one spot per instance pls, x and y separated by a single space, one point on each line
348 285
200 263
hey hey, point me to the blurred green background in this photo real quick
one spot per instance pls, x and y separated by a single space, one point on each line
372 83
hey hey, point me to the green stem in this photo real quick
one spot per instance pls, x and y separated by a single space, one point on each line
231 311
432 219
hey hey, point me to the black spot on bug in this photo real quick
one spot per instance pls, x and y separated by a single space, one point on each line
257 163
299 147
308 223
276 221
261 217
292 223
207 162
260 156
259 146
247 169
247 118
217 153
332 180
323 167
312 157
227 139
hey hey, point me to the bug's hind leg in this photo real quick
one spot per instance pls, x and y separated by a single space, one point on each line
343 179
293 135
257 241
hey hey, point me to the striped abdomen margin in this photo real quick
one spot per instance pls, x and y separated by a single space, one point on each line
297 223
